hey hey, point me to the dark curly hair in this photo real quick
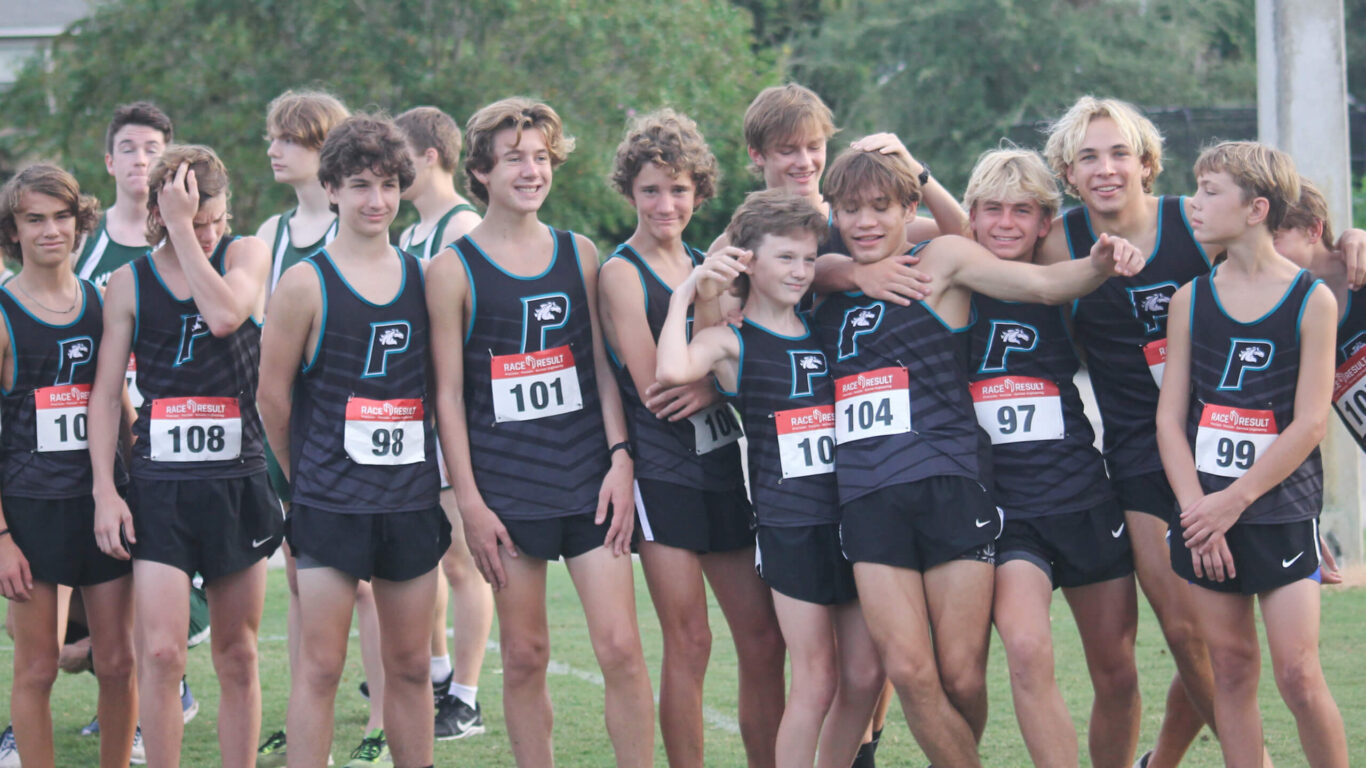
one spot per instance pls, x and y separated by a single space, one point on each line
365 142
670 140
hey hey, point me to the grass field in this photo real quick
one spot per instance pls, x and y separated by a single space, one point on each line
580 738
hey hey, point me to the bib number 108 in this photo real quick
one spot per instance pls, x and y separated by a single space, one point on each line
197 439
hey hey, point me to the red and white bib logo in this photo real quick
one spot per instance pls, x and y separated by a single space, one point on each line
1155 353
1349 393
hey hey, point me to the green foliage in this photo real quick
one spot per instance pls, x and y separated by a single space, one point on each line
215 64
950 76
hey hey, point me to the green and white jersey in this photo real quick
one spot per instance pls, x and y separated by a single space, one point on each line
101 256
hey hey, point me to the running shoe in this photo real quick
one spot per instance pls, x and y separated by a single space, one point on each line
455 719
271 753
139 755
188 706
373 751
9 751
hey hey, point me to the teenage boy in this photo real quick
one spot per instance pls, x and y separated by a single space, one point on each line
1063 526
137 135
692 510
920 528
444 216
344 392
1303 238
782 389
1244 404
200 498
47 536
297 123
522 376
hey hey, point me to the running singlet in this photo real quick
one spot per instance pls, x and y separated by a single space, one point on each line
902 412
1122 326
198 417
1349 383
43 451
362 436
785 401
1243 380
1042 445
284 254
537 442
101 256
701 451
428 248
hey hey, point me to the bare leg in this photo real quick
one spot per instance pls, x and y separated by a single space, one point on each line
1291 616
860 685
900 625
109 615
471 600
525 640
367 621
674 577
162 612
235 605
760 652
1236 660
1023 595
326 598
959 598
405 609
810 635
34 625
1107 617
604 583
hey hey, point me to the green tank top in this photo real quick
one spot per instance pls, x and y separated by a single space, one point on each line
101 256
428 248
283 252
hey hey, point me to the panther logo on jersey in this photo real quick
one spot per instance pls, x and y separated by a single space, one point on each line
857 322
74 353
1353 345
1150 305
806 366
191 327
386 338
1245 355
1007 336
540 315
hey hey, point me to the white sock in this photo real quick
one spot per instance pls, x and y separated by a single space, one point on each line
441 668
465 693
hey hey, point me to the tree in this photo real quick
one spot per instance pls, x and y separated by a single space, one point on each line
215 64
951 76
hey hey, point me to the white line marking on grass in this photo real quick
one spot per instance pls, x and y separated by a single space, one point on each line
715 718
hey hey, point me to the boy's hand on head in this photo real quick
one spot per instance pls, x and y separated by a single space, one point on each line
178 198
893 279
888 144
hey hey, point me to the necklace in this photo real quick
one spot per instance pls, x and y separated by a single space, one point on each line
43 306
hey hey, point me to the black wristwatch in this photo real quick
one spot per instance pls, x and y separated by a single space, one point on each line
622 446
924 174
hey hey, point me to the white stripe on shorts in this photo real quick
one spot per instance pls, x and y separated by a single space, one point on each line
645 531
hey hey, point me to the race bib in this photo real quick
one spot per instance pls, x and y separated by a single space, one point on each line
60 417
806 440
130 377
872 404
1155 352
1229 440
534 385
714 427
1018 409
1349 394
385 432
195 429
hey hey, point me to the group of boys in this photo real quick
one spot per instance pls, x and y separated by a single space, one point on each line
914 433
